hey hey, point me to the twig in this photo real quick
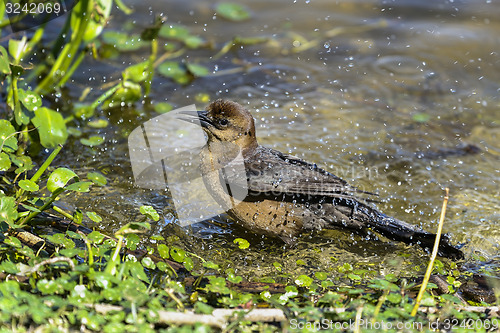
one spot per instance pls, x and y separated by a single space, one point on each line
433 255
491 311
28 238
359 313
219 317
170 293
48 262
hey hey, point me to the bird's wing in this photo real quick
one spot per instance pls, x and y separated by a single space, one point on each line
270 171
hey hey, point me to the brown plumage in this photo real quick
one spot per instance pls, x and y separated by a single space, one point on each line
287 195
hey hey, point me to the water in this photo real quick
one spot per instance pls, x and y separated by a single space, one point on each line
380 93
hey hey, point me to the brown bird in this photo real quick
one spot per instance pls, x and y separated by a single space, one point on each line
286 195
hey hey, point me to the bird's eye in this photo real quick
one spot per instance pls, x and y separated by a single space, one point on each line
224 122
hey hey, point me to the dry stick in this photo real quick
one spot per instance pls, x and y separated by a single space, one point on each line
47 262
219 317
359 313
490 311
28 238
433 255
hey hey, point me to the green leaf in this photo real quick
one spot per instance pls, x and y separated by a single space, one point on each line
74 235
217 285
59 178
242 243
73 131
232 11
421 117
128 93
326 283
320 275
162 266
197 70
383 284
428 300
33 209
92 141
8 140
47 287
174 32
149 212
174 71
171 69
21 115
303 281
300 262
170 47
78 216
163 251
70 253
114 37
82 110
8 209
177 254
193 42
132 241
28 185
4 61
17 48
138 72
95 24
391 277
30 100
13 241
9 267
267 279
265 295
354 277
148 263
394 298
123 41
4 162
249 40
137 270
94 217
451 298
95 237
163 107
188 264
51 127
79 187
16 70
210 265
57 239
201 307
97 178
291 291
345 268
278 266
231 277
24 163
98 123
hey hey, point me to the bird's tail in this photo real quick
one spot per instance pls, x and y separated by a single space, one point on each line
401 231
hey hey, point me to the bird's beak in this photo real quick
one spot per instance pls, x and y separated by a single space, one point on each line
197 117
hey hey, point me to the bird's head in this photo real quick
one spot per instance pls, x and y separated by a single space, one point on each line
227 122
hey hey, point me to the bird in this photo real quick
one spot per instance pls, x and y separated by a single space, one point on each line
285 195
